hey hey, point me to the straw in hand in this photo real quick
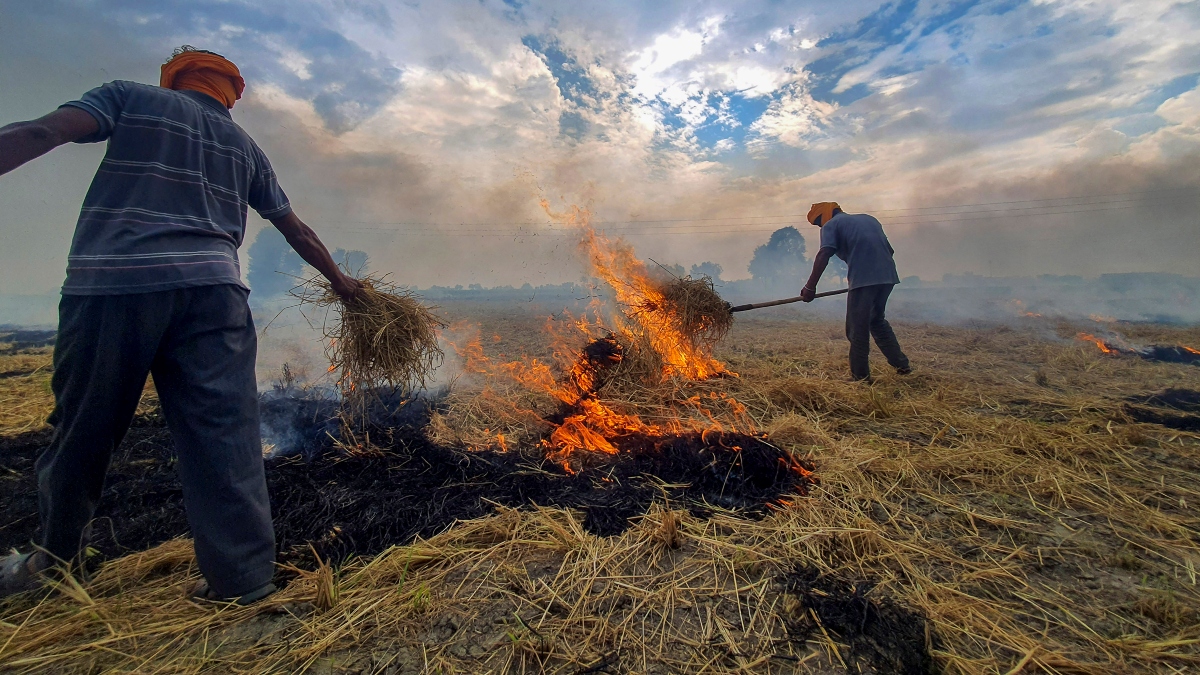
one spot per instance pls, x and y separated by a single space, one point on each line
383 338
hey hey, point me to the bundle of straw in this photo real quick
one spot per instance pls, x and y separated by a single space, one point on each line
694 308
384 338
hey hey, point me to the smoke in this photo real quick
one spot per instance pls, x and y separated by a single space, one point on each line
1131 216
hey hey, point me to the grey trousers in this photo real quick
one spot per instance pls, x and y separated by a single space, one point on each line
200 345
865 319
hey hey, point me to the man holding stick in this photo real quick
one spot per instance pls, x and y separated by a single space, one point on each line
858 239
154 287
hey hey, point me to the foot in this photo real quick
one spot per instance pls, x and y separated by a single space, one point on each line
864 380
21 572
906 370
202 591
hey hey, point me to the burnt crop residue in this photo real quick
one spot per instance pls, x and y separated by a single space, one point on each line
891 638
1174 408
363 502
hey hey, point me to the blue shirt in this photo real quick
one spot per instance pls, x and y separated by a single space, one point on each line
167 208
859 240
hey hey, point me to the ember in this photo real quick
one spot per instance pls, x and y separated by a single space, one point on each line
1165 353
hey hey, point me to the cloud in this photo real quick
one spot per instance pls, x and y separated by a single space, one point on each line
423 133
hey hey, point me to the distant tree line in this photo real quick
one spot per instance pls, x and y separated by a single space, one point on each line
779 265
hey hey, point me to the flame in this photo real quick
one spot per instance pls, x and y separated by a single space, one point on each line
1098 342
571 377
615 263
1189 349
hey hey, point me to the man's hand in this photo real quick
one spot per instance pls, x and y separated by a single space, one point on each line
346 286
807 294
23 141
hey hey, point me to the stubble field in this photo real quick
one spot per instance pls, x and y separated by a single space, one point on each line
1000 510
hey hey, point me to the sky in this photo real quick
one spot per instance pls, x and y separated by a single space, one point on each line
997 137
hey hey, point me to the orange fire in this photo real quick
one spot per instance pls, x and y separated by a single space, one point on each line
592 424
1194 351
1098 342
615 263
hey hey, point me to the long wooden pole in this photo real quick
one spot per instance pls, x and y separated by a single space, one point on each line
785 301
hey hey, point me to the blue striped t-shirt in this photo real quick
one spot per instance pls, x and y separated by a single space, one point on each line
167 208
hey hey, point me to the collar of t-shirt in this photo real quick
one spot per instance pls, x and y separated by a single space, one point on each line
206 100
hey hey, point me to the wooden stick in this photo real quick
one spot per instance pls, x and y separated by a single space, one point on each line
785 301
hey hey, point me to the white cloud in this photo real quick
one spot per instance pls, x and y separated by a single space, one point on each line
475 125
794 120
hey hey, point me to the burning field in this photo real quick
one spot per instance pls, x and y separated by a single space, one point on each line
646 487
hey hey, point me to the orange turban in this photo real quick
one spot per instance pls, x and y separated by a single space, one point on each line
206 73
821 212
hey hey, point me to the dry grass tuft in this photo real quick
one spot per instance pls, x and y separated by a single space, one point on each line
693 307
326 582
383 338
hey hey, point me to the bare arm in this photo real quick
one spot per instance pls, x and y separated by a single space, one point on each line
819 264
23 141
306 242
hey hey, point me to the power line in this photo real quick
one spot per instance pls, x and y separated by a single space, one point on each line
1103 199
984 214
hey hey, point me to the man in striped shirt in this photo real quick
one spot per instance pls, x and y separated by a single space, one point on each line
153 286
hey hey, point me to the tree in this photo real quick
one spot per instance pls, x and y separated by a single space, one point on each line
781 260
837 271
707 269
273 264
353 263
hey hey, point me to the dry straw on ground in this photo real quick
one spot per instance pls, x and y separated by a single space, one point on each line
25 396
382 338
1000 491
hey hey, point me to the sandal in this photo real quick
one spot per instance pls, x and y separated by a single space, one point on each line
203 592
21 572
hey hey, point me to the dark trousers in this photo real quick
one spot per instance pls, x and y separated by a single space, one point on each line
200 345
865 319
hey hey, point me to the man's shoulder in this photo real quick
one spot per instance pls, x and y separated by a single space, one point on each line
152 99
858 217
140 89
858 221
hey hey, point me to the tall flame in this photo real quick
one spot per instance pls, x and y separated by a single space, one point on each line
615 263
590 423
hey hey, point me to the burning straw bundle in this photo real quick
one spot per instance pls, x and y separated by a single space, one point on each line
383 338
694 308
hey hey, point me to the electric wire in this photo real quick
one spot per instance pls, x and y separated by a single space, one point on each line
725 220
557 230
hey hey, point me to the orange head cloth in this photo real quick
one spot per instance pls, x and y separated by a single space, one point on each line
821 212
206 73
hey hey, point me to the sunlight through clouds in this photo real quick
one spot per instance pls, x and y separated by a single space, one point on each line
378 114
